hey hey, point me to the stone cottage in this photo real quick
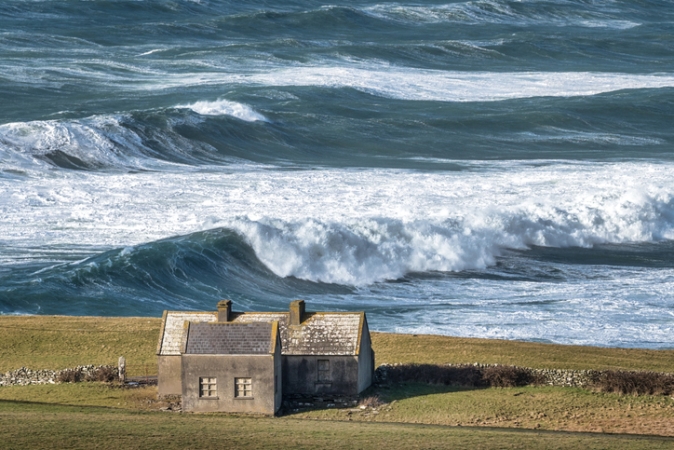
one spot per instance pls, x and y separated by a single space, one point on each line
321 353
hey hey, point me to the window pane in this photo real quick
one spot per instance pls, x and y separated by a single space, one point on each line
323 370
208 387
243 387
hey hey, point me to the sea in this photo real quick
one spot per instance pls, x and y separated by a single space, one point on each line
484 168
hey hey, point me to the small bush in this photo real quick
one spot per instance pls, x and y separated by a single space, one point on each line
434 374
69 376
508 376
466 375
635 383
104 373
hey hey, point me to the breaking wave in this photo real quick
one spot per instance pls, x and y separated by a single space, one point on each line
507 12
225 108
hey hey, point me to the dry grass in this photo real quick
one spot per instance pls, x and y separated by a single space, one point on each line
40 425
59 342
544 408
430 349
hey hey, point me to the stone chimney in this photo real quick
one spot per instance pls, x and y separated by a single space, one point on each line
296 312
224 310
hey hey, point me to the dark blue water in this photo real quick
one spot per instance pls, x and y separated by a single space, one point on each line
478 168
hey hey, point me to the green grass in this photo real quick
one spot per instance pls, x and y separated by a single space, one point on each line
32 425
547 408
58 342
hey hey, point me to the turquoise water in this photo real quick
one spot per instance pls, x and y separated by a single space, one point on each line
474 168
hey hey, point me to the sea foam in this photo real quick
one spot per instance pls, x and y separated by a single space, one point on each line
436 85
225 108
354 227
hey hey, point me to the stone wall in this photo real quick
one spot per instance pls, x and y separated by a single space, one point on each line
548 377
25 376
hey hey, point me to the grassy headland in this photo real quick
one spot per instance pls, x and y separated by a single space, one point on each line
412 415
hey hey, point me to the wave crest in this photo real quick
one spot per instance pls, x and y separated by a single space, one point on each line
377 249
225 108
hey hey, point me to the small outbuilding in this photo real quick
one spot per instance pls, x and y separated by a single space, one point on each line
321 354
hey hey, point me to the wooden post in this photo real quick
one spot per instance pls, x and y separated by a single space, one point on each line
121 368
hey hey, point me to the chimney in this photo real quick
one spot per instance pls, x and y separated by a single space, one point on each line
224 310
296 312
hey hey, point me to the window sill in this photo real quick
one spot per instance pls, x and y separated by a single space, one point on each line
209 398
244 398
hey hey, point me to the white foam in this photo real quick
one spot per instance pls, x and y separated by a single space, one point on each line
436 85
353 226
498 12
95 141
149 52
225 108
432 85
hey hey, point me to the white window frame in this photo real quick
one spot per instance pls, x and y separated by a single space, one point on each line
243 387
208 387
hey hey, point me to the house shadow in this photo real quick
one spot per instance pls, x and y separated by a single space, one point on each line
376 396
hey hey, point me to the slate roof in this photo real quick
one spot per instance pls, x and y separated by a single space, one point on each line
321 333
204 338
171 338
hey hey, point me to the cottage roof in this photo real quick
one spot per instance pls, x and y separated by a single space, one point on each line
226 338
171 337
320 333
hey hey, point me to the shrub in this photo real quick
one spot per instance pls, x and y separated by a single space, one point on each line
635 383
509 376
465 375
434 374
102 373
69 376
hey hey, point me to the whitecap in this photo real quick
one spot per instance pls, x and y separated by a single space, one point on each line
225 108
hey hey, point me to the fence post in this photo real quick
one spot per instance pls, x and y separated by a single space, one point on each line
121 369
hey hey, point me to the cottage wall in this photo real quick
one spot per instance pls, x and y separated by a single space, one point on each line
169 381
262 369
301 375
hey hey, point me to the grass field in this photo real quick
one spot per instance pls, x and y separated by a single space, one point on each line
86 415
56 342
36 426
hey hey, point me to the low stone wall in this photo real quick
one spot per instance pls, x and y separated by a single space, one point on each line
548 377
24 376
567 378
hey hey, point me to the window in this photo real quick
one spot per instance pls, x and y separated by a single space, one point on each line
208 387
323 370
244 387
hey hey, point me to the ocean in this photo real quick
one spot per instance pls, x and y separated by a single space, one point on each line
485 168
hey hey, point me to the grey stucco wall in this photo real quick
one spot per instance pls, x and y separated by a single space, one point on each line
300 375
168 375
260 368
